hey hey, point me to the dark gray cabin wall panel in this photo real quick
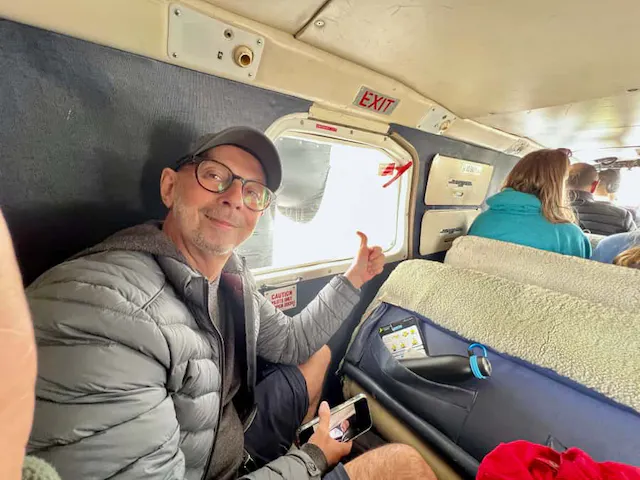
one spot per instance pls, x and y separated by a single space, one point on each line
428 146
85 131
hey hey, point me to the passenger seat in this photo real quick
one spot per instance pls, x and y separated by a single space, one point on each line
561 346
585 279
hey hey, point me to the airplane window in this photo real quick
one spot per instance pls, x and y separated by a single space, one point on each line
329 191
628 195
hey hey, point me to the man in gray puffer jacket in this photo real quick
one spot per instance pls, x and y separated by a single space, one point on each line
148 342
598 217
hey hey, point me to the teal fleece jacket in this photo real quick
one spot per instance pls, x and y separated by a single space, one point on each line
516 217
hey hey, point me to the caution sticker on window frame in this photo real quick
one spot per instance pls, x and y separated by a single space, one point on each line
284 298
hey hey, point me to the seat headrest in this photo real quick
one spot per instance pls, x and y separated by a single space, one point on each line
595 239
594 281
591 343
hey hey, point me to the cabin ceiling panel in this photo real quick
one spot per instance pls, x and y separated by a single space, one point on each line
287 15
476 57
592 128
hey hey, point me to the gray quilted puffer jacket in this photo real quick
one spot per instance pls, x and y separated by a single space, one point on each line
129 368
600 218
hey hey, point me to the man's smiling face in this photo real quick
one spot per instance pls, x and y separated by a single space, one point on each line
214 223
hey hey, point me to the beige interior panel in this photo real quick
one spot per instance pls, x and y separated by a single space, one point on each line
457 182
288 65
393 430
284 15
477 57
471 131
440 228
482 135
554 73
592 128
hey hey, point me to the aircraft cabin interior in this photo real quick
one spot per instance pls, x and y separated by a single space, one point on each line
396 119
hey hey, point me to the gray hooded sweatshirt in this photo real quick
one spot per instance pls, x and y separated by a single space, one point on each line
132 380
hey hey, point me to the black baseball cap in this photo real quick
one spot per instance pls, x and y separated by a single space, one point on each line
248 139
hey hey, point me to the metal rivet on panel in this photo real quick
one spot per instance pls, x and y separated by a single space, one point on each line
177 12
319 23
174 55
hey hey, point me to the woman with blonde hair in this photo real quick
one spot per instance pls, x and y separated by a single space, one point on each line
629 258
532 209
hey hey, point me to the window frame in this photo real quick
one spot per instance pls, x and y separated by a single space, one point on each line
302 126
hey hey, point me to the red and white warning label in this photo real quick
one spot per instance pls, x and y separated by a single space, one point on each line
386 169
374 101
284 298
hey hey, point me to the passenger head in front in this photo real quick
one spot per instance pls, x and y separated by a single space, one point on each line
582 177
598 217
608 185
543 174
532 209
628 258
149 342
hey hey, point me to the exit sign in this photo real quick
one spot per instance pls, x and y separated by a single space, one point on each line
375 101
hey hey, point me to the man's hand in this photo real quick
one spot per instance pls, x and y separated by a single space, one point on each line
368 263
333 450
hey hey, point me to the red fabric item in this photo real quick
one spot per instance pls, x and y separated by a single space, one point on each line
523 460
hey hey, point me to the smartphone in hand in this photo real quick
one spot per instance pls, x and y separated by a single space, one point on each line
349 420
